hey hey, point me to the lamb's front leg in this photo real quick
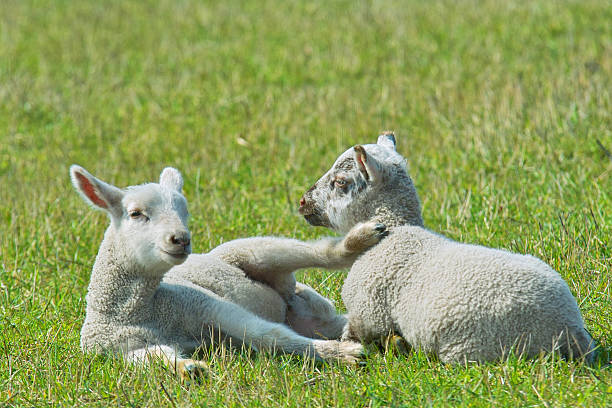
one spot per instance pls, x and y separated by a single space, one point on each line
273 260
186 368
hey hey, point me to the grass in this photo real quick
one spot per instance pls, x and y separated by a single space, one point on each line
503 110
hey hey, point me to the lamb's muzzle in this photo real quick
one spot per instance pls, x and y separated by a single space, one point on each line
312 209
178 244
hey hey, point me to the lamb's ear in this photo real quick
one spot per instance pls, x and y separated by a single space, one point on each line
387 139
367 165
96 192
171 178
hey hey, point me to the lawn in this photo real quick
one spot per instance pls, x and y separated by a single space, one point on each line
502 109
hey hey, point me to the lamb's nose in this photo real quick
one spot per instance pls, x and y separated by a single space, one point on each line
302 202
180 239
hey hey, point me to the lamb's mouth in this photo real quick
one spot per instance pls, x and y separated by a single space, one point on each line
316 220
182 255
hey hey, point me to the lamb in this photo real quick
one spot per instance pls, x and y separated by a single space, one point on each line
146 296
460 302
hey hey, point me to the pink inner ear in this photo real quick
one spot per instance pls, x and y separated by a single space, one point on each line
361 164
360 159
90 191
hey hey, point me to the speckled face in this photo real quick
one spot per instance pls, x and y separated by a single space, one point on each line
342 197
326 203
351 191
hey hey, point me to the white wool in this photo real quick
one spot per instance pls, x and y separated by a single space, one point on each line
461 302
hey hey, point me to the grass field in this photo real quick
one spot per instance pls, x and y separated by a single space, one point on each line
503 110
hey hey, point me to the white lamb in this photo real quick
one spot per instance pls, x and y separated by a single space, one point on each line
141 303
461 302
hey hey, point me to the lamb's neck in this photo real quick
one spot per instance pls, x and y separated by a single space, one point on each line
401 212
118 287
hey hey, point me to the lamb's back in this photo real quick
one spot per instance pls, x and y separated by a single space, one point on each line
422 264
467 278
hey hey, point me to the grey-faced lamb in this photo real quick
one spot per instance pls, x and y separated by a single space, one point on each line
460 302
147 296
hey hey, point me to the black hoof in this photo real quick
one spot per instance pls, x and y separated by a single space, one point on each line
194 372
381 229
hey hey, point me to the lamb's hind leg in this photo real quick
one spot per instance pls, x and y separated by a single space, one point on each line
186 368
273 260
265 335
313 315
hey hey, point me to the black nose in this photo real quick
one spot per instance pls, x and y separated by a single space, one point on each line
180 239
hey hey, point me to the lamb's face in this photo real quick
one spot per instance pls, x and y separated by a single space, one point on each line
153 226
346 194
329 201
149 221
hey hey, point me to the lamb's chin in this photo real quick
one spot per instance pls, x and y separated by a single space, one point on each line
316 220
173 258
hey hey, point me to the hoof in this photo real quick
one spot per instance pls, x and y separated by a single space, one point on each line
381 229
192 370
344 351
364 236
395 343
352 353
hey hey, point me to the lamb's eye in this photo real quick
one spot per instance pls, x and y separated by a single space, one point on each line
135 213
340 183
138 215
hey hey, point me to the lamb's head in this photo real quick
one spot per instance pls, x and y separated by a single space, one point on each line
367 182
148 221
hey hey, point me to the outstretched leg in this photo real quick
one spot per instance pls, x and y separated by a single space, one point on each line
273 260
240 324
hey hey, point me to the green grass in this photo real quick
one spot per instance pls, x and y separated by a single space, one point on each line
498 106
